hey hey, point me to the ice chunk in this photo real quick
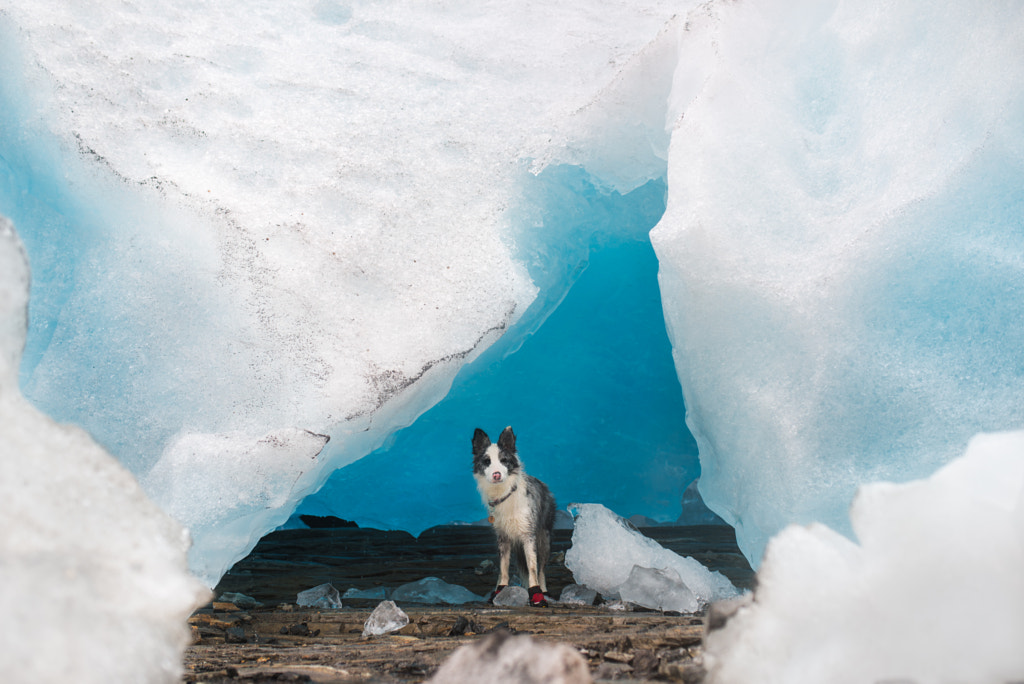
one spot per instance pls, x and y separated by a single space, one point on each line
386 617
658 589
501 658
94 584
512 596
577 595
433 590
846 304
931 593
379 593
320 596
605 548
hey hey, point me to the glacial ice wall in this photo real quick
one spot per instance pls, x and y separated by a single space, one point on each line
95 586
256 229
842 255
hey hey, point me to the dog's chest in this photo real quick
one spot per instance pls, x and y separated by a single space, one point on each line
514 516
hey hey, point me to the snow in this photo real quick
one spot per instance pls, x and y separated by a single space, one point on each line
95 586
930 592
606 550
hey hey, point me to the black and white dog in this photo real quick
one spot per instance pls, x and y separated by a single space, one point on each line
521 510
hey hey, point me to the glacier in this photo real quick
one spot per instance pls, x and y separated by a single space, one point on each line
267 240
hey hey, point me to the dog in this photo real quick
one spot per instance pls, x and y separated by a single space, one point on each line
522 510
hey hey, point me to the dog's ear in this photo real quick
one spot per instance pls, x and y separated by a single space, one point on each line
507 441
480 442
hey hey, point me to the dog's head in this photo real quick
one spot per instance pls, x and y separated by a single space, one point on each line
495 463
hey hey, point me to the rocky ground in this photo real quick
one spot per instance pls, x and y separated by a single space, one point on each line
282 642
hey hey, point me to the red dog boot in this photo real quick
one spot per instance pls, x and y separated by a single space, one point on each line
537 599
497 590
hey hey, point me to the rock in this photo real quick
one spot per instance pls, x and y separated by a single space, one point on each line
464 626
234 635
501 658
512 597
386 617
486 567
320 596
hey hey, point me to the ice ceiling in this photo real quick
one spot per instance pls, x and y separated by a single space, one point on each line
255 231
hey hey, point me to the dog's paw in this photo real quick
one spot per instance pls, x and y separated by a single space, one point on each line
497 590
537 599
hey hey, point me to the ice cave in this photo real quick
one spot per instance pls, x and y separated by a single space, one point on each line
285 257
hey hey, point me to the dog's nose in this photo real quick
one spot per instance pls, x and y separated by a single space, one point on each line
496 476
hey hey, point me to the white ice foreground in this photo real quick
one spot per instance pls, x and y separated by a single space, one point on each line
93 581
932 591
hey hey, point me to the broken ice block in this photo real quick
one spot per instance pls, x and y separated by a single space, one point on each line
658 589
605 548
433 590
321 596
386 617
511 597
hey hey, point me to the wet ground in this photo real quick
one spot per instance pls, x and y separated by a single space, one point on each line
281 642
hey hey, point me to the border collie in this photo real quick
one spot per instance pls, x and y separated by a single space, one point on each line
521 510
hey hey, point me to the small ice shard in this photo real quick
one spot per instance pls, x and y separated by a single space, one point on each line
512 596
501 658
605 548
386 617
577 595
658 589
433 590
379 593
320 596
241 600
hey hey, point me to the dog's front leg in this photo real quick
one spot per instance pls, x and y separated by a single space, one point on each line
536 593
504 557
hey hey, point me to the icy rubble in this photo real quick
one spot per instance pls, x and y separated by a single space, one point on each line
320 596
94 583
931 592
386 617
606 550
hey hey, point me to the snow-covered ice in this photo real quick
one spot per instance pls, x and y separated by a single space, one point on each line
930 592
386 617
93 581
320 596
605 549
